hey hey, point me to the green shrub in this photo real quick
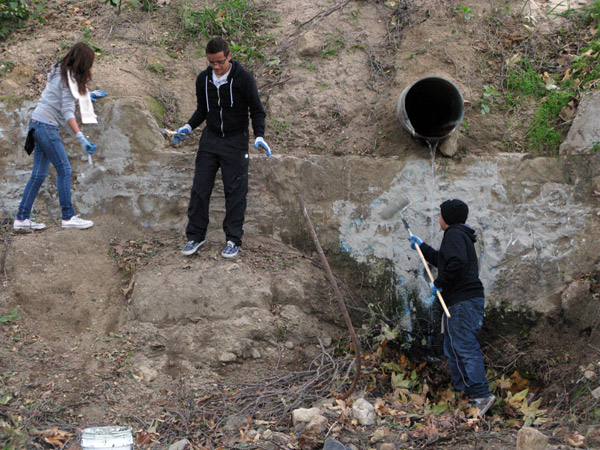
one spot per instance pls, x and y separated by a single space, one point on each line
524 80
13 14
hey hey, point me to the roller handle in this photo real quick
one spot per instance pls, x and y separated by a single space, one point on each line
418 247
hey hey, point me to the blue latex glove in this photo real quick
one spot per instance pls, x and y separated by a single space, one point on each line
260 142
181 134
86 145
97 94
434 290
414 240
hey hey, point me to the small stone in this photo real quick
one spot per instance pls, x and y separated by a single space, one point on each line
316 427
364 412
304 415
531 439
289 345
255 353
332 444
449 146
596 393
227 357
309 45
180 445
147 374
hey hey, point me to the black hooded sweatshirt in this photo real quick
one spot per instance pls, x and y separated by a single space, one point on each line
456 261
226 109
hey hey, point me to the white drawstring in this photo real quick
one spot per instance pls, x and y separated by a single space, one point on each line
206 93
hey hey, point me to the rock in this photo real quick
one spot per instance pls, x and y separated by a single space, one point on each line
578 305
8 86
286 291
364 412
235 423
332 444
584 132
531 439
183 444
21 75
596 393
289 345
147 374
316 427
304 415
251 434
255 353
449 146
590 375
309 45
227 357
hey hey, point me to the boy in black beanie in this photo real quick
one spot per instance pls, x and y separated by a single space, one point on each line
458 279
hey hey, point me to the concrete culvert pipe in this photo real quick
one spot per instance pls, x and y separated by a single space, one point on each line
431 108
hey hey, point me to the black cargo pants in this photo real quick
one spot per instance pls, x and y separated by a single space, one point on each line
230 154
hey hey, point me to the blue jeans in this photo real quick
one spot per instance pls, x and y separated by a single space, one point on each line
462 348
48 149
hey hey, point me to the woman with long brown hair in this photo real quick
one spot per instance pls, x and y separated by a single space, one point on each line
67 82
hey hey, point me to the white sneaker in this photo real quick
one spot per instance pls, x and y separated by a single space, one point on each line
483 404
27 225
77 222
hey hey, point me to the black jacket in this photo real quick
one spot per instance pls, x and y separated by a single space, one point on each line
456 261
226 109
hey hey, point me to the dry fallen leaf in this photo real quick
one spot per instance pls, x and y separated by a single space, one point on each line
575 440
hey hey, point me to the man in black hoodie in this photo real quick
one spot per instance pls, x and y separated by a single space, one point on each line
225 93
458 280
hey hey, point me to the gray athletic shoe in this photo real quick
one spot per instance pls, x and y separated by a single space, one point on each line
483 404
230 250
191 247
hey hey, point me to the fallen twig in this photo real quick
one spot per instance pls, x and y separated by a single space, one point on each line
338 295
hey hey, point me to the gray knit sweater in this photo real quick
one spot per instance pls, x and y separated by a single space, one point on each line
57 104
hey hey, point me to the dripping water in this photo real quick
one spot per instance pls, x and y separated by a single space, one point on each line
432 187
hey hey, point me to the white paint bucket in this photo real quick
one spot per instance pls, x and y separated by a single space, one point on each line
113 438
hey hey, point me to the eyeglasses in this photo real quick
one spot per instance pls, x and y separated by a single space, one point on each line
217 63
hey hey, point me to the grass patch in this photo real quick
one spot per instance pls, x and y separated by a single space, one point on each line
531 79
334 44
240 20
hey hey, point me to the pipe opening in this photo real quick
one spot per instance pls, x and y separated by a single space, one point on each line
431 108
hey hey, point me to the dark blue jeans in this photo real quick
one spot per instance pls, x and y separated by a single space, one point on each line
48 149
462 348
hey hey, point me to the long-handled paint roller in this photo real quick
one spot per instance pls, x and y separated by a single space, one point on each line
439 295
92 173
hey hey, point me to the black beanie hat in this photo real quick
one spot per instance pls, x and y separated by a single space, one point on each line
454 211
